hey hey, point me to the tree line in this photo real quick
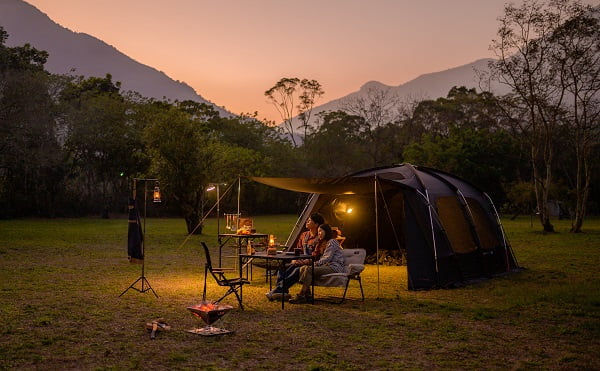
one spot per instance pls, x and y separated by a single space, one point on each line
70 145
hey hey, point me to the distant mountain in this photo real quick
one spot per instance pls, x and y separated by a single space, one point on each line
87 55
429 86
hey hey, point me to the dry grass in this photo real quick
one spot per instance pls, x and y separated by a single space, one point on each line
60 281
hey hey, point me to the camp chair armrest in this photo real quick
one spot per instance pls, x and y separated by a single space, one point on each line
353 269
334 275
221 270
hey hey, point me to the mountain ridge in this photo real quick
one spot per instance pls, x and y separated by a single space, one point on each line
431 85
89 56
82 54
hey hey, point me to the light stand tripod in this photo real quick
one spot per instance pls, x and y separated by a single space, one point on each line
145 285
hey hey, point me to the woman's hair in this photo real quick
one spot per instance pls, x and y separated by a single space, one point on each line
317 218
328 231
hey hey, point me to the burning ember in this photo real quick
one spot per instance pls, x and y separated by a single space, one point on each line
210 313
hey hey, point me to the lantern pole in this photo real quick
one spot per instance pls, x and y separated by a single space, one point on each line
145 284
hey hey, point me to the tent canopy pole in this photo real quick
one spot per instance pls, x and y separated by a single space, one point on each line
376 234
238 202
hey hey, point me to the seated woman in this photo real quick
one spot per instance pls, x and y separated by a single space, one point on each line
332 261
309 243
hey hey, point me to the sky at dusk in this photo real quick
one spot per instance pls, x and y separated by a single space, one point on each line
231 51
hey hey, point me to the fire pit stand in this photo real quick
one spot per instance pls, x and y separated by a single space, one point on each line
209 312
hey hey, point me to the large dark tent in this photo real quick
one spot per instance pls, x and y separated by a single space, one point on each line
449 230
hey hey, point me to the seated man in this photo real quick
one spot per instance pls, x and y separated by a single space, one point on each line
308 242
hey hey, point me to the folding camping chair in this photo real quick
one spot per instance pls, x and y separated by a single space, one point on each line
354 264
234 284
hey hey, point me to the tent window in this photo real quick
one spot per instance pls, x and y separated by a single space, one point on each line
456 226
483 226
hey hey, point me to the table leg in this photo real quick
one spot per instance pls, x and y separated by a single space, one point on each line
220 248
239 249
268 273
241 277
281 265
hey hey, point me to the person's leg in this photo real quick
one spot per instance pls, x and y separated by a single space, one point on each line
285 279
306 280
305 274
275 293
292 275
281 274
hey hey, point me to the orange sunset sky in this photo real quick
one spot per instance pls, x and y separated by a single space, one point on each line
231 51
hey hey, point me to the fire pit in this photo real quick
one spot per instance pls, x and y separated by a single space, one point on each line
210 313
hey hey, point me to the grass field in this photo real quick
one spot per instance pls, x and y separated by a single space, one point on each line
60 282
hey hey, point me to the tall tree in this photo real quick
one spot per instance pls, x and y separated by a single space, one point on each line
339 133
182 158
192 146
378 108
310 92
539 62
523 49
465 136
462 107
577 57
31 159
103 139
485 157
284 95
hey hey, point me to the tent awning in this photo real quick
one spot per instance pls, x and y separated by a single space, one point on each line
335 186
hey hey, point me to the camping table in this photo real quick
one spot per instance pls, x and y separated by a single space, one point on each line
242 240
281 257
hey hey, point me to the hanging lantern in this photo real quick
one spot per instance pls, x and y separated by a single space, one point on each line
156 194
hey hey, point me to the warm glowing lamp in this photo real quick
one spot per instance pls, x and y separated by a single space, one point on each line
212 187
349 210
156 193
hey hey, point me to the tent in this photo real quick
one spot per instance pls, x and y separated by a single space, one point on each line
448 229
